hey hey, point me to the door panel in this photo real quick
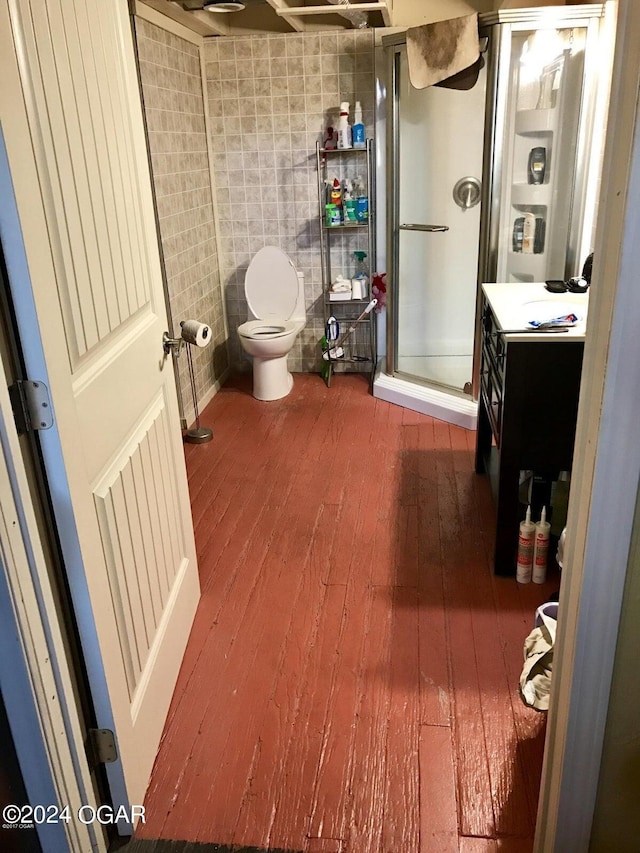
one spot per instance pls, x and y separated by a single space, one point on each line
72 118
439 136
90 167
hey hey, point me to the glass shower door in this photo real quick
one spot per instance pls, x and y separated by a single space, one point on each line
438 140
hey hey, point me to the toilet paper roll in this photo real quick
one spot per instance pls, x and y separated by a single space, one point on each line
195 333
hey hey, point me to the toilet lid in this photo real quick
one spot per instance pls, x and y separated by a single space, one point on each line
271 284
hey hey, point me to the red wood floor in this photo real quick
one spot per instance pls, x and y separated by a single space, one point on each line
350 683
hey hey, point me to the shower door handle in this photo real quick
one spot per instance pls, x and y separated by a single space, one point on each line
412 226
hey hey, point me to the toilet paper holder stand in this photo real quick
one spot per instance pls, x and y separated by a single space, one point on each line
199 434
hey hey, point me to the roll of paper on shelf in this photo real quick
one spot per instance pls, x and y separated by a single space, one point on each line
195 333
526 539
541 549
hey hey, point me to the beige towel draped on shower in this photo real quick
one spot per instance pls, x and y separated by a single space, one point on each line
444 50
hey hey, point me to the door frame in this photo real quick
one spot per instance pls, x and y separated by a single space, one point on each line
606 475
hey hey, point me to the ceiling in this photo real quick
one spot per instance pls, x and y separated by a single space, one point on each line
283 16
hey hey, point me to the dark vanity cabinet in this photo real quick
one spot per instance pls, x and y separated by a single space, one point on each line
526 420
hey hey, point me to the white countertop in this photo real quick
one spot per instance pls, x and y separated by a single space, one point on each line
516 304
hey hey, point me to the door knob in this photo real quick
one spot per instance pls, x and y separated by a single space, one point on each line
466 192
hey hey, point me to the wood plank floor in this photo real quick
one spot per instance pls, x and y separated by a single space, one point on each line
350 684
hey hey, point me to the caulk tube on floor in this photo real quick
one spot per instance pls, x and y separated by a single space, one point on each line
526 541
541 549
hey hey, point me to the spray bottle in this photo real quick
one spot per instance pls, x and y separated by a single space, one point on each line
526 539
541 550
360 280
344 128
357 130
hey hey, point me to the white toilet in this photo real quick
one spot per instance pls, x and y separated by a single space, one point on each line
275 295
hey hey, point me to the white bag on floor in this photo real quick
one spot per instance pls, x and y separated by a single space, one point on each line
535 680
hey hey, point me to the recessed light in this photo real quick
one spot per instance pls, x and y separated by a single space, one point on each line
223 6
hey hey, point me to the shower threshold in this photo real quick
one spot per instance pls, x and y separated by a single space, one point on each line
445 404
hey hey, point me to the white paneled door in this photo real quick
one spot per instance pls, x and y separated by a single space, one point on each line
73 128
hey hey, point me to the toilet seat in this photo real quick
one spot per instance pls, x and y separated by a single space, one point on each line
271 285
263 329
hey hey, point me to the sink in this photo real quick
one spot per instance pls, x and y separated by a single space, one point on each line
543 310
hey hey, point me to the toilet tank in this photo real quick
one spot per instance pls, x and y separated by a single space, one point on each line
300 311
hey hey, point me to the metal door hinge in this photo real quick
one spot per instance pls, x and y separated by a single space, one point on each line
31 405
101 746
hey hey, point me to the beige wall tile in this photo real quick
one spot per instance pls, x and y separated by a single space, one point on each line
172 91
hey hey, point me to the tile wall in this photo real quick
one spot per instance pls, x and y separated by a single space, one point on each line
174 107
270 97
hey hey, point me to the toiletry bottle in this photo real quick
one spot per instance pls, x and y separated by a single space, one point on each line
541 549
362 202
336 192
357 130
344 128
332 215
538 240
545 95
518 233
537 165
526 540
360 280
528 233
348 202
330 140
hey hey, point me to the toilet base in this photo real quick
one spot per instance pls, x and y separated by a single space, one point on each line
271 379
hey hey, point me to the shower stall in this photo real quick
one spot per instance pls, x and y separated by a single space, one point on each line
434 149
458 187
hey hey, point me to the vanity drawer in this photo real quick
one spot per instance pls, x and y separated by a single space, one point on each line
491 385
493 343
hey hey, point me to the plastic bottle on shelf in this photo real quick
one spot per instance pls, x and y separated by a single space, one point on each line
541 549
357 130
528 233
348 202
537 166
518 233
362 202
333 206
526 542
360 280
335 195
538 240
344 128
330 140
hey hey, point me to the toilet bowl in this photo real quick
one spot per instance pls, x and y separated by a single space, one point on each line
275 297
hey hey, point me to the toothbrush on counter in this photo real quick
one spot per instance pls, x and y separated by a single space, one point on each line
565 321
537 331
